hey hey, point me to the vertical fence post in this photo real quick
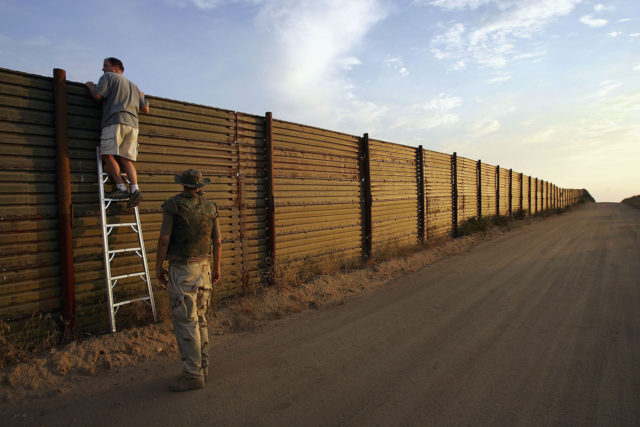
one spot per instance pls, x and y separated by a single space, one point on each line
529 197
367 199
510 192
521 190
454 193
479 187
270 213
239 205
535 196
422 217
65 208
498 190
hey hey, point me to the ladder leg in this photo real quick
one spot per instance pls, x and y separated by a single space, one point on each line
109 254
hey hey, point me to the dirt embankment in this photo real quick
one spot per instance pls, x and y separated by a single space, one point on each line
56 371
632 201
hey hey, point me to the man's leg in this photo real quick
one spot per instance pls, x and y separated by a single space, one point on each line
184 281
204 295
129 168
112 166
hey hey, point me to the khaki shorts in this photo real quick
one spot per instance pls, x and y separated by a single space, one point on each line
119 140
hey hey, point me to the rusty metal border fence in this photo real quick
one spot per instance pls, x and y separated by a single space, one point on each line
291 197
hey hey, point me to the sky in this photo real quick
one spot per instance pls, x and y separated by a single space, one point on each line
550 88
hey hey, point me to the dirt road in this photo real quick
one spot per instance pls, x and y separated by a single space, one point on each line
539 326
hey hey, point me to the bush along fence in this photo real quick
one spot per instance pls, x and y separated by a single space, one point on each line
291 197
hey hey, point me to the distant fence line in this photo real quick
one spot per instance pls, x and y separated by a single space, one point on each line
288 194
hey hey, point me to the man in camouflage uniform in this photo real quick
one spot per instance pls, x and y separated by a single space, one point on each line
189 229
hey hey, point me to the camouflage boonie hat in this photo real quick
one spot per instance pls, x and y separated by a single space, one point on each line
191 178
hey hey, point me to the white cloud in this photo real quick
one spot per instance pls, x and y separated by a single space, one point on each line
593 22
315 45
348 62
607 87
454 4
541 137
636 66
499 79
206 4
624 20
485 126
495 43
442 103
431 114
397 64
634 35
614 34
599 8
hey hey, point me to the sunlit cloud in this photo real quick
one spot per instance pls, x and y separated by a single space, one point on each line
593 22
485 126
542 137
607 87
634 35
614 34
636 66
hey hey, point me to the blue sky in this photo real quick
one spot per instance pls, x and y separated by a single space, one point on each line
550 88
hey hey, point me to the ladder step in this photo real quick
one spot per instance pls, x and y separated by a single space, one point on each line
124 224
118 304
117 251
124 276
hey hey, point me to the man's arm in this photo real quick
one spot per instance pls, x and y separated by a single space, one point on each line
163 247
92 90
144 108
217 252
161 255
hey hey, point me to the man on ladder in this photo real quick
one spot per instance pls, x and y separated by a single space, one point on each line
189 230
121 101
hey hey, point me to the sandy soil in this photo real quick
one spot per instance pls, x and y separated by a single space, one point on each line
538 325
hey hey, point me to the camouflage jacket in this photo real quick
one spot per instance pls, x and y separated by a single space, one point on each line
194 224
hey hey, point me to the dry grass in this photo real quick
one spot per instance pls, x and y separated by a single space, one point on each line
35 335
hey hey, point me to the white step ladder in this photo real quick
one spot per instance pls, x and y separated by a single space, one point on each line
109 253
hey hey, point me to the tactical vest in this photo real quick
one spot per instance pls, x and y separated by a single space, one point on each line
193 221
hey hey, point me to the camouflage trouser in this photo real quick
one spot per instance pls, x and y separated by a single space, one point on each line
189 293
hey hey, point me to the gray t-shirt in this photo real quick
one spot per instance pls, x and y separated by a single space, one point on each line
121 100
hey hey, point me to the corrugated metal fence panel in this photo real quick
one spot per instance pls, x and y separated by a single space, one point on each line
538 203
317 195
488 190
504 191
174 137
515 193
251 143
525 194
467 189
438 189
29 256
395 195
